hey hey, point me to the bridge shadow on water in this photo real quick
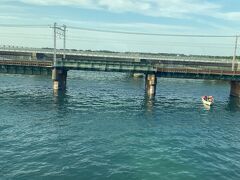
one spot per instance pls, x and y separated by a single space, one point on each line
233 104
60 99
148 103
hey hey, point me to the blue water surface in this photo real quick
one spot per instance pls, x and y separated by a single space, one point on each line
105 127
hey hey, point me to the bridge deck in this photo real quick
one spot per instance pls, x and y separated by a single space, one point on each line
165 66
161 66
26 63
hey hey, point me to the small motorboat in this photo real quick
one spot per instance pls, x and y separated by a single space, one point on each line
208 100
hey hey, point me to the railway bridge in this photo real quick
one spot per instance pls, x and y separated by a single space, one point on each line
41 61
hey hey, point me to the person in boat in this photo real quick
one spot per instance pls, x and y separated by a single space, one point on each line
207 98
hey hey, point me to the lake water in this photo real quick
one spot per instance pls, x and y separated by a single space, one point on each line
104 127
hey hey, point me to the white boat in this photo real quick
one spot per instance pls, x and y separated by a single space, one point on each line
208 100
138 75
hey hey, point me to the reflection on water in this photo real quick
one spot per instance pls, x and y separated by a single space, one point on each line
60 99
207 107
149 102
59 93
234 103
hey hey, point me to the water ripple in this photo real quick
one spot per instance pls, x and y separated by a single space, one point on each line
104 127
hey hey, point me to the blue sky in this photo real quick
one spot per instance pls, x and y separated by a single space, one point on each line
217 17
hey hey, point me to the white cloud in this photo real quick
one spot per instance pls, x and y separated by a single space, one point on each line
129 26
232 16
58 2
6 18
183 8
123 5
159 8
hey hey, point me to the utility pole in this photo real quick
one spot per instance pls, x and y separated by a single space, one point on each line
59 74
55 44
235 52
64 41
60 31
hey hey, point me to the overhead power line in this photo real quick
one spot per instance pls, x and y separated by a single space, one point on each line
121 32
150 34
25 25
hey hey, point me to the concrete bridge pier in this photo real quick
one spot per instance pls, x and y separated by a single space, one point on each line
235 88
59 77
150 84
